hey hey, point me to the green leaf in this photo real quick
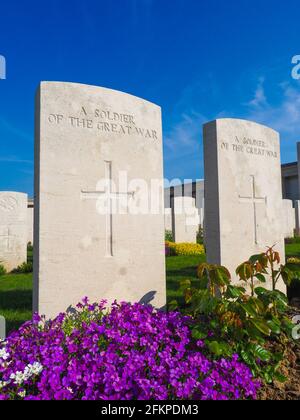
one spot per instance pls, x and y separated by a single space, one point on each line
278 357
268 378
248 359
260 291
275 328
280 378
235 292
254 258
185 284
203 283
250 309
262 326
260 277
173 305
215 348
261 353
198 334
281 297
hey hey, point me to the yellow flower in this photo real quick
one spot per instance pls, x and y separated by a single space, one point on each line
293 261
186 249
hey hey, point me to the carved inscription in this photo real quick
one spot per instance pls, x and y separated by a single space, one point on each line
104 121
249 146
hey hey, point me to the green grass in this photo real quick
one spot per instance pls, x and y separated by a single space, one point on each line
292 250
15 299
16 289
180 268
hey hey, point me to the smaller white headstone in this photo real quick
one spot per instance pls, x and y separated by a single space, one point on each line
13 229
297 211
289 219
185 221
2 328
168 220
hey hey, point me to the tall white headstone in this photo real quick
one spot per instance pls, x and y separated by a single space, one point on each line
88 141
243 191
13 229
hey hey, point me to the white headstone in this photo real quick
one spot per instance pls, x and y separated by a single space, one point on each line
186 220
297 212
289 218
13 229
89 138
2 328
168 220
243 191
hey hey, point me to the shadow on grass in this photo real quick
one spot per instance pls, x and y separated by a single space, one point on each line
15 306
16 299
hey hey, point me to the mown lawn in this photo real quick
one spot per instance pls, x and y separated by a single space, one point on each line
180 268
15 299
16 289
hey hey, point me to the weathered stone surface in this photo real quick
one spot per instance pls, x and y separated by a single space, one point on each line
13 229
84 135
243 191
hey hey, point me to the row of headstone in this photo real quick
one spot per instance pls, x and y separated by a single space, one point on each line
86 137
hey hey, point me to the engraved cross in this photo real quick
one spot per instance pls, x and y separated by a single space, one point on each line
254 200
7 236
107 196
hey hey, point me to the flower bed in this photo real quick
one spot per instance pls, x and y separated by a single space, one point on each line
184 249
130 352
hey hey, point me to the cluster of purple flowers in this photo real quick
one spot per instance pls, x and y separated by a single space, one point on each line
128 352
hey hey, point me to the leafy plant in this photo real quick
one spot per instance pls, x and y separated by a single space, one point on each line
229 320
24 268
168 236
200 236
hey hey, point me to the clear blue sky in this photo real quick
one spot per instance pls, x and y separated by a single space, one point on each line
197 59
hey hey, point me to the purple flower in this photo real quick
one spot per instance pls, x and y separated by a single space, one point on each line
129 352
